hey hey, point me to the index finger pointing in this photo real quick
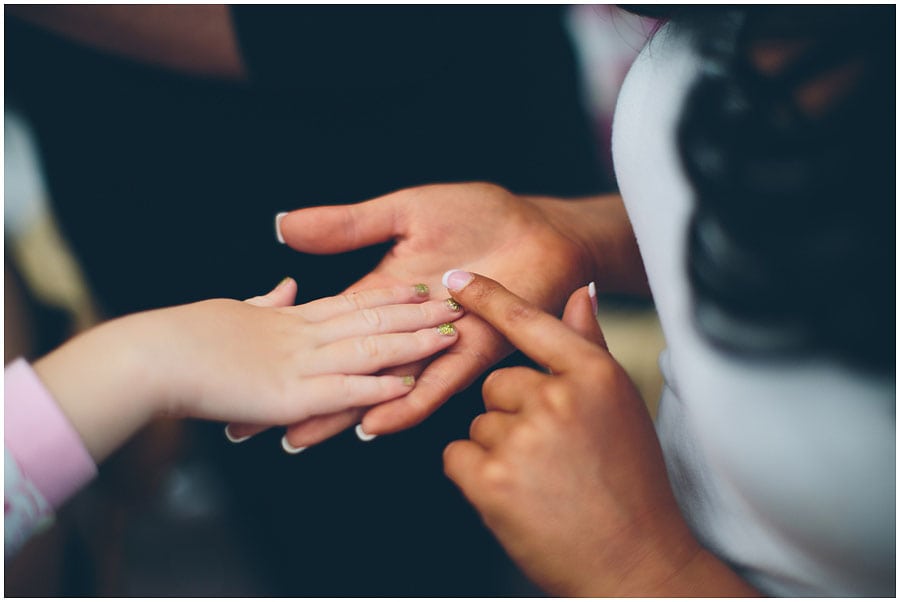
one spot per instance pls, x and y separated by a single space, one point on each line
539 335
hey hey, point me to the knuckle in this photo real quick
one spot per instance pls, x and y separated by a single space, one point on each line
496 475
486 188
557 400
525 435
373 317
477 426
450 459
426 312
480 358
604 373
346 388
349 223
368 347
518 312
350 301
441 387
493 383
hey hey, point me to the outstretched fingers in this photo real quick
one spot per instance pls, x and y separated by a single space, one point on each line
370 353
349 302
408 317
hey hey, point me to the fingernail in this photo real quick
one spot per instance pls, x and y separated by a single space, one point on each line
363 435
448 330
453 305
232 438
409 380
290 448
422 289
592 293
278 218
283 281
456 280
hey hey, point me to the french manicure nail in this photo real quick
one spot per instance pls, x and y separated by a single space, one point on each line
278 218
592 293
290 448
363 435
456 280
232 438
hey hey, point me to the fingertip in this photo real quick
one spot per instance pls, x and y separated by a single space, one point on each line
447 329
449 450
278 217
461 459
456 279
580 315
235 438
453 305
285 282
287 447
362 435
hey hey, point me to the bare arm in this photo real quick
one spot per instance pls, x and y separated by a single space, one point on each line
194 39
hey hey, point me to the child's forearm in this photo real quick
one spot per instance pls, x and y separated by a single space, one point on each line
104 381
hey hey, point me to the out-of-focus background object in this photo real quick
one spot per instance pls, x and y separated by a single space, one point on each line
155 522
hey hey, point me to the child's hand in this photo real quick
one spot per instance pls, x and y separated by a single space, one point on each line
565 468
260 362
256 362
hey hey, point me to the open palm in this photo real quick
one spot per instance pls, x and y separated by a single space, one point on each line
477 227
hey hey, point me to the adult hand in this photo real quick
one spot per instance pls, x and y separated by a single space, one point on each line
480 227
565 468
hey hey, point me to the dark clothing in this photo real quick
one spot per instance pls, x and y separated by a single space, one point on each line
166 186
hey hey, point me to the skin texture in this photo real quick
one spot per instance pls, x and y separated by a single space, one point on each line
262 361
482 227
565 467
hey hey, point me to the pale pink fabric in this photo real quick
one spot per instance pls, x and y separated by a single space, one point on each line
41 439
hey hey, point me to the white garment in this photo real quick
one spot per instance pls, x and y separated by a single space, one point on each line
784 470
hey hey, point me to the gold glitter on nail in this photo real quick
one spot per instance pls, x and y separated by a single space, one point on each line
453 305
422 289
447 329
409 380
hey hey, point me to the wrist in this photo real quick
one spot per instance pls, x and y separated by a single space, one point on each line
600 227
704 575
105 383
676 565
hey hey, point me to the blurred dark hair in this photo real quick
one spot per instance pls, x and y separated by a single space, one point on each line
792 241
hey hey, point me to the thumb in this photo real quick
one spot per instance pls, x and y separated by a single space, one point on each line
338 228
283 295
581 315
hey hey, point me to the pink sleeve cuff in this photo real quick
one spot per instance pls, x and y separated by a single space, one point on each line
40 437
